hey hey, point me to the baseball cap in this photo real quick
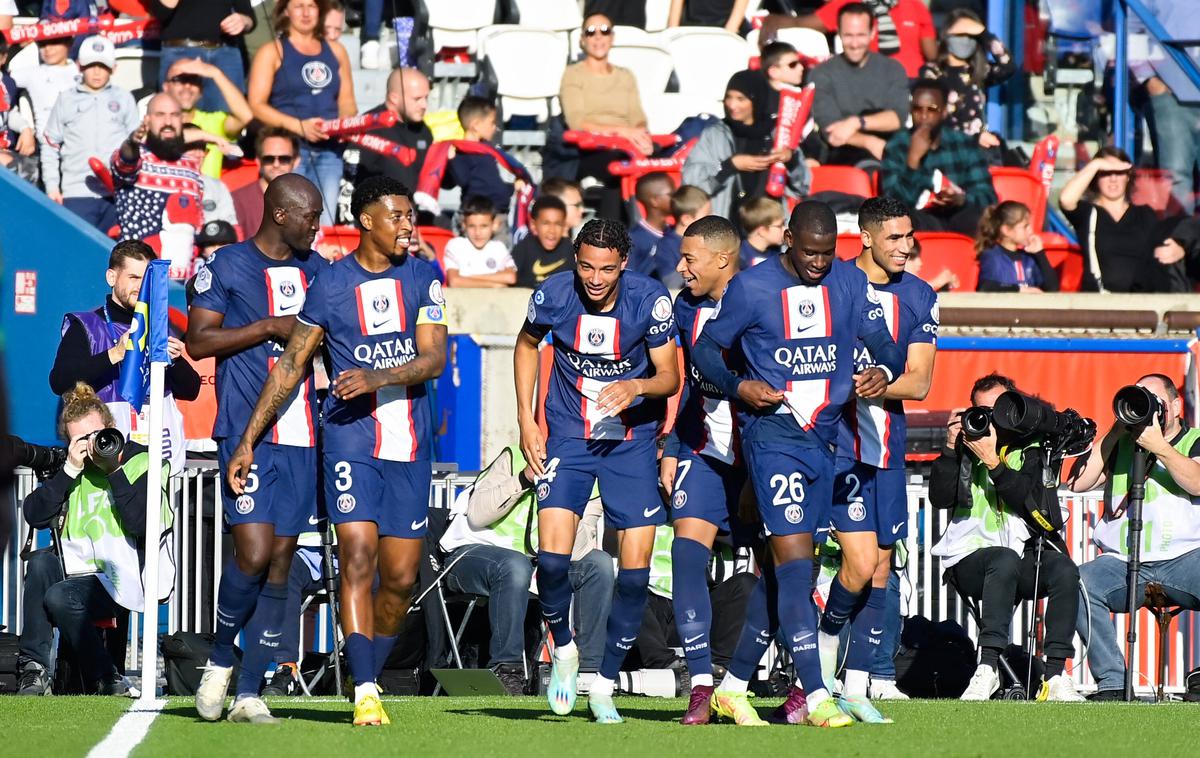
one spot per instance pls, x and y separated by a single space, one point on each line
216 233
97 49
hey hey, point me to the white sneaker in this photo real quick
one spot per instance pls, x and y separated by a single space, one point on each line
368 54
983 684
251 710
214 686
1060 689
886 689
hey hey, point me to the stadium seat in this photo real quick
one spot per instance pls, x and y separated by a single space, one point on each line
1066 258
241 175
1152 187
137 70
436 237
523 89
809 43
651 66
849 246
658 12
705 59
947 250
457 24
1012 183
545 14
849 179
666 111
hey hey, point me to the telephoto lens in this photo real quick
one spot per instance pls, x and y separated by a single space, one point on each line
107 445
1136 406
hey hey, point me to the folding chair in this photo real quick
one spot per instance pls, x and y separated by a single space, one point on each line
1015 692
328 595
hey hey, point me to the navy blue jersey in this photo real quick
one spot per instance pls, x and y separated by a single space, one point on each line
798 338
655 253
1009 268
874 431
705 423
749 255
370 321
246 286
592 350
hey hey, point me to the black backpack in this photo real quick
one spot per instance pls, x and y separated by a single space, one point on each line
934 660
10 644
184 656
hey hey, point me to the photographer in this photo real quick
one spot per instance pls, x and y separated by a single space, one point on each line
993 482
1170 531
96 503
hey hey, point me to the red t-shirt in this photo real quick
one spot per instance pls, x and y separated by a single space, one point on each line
913 24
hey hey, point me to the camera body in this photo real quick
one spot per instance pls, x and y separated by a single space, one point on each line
1135 406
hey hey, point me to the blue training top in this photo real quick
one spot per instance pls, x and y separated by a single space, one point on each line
306 86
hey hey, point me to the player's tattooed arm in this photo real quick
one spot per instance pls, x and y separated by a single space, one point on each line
287 372
429 363
618 395
208 337
914 383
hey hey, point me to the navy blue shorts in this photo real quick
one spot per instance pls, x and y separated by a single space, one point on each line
393 494
869 499
709 489
627 471
794 487
281 488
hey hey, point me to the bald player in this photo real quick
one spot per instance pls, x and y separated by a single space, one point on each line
407 97
245 304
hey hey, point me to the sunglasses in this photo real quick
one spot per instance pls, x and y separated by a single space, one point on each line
276 159
792 64
191 79
593 30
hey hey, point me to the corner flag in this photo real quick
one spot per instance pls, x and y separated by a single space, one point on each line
147 340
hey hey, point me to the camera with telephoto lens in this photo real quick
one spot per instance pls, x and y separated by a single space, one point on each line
1135 406
976 421
1065 432
107 445
44 460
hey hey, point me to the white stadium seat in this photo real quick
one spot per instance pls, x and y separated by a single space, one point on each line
651 66
706 58
457 23
658 12
559 15
137 70
524 89
808 42
667 111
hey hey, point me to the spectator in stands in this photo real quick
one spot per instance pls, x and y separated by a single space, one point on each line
278 152
479 174
727 14
943 281
158 190
546 250
571 194
94 575
93 345
905 29
185 82
16 133
689 203
1174 98
335 21
733 157
992 484
782 65
216 202
475 259
939 172
211 31
1125 246
89 121
491 538
408 97
55 75
861 97
299 82
213 236
654 245
1011 258
8 9
371 55
970 60
762 223
1171 528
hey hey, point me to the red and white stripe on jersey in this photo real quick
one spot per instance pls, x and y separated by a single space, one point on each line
871 423
380 306
719 428
395 426
286 286
598 425
294 420
806 312
599 336
805 399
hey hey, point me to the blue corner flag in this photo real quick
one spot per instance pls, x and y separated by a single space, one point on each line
147 340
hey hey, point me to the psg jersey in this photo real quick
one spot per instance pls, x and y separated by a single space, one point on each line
370 322
246 286
874 431
705 422
799 338
592 350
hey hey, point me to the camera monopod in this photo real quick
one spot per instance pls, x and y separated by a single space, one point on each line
329 575
1133 511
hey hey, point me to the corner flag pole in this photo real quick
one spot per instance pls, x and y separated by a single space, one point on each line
154 485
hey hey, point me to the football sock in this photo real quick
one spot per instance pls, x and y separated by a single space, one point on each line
757 631
798 621
693 607
838 608
855 684
866 631
236 598
625 619
263 634
602 686
554 591
360 655
382 644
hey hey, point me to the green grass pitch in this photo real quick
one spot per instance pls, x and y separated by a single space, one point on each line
479 727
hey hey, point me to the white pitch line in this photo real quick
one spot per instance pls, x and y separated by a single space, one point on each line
129 730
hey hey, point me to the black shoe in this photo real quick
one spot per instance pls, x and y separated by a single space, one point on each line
512 676
34 680
115 685
1101 696
285 682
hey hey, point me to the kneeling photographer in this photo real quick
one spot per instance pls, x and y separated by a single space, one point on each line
95 506
1148 427
993 479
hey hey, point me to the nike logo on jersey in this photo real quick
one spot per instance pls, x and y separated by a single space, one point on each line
541 270
419 524
690 640
648 512
285 308
378 324
896 529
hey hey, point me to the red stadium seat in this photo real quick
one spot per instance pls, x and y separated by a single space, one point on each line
436 237
1023 186
1067 260
947 250
848 179
849 246
338 241
240 175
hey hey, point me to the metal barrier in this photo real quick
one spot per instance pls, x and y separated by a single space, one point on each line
201 549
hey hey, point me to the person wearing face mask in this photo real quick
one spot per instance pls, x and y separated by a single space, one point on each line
970 59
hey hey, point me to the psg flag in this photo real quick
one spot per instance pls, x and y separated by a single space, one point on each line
147 340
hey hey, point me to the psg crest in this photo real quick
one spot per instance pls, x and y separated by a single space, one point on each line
316 74
380 303
287 289
807 309
596 337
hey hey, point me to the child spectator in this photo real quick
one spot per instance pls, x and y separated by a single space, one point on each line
546 250
475 259
16 133
1010 254
91 120
651 235
762 224
572 196
478 175
44 83
943 281
688 204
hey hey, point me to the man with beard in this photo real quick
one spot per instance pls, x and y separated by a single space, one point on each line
158 189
